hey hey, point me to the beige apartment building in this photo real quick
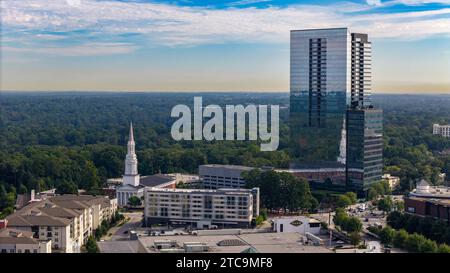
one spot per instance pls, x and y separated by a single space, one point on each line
201 208
16 241
65 220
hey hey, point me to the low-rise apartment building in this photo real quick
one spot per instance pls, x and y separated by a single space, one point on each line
393 181
66 220
17 241
45 227
201 208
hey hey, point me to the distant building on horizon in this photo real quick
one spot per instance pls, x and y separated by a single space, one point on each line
335 131
443 130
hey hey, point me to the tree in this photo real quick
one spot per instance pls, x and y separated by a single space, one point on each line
347 223
399 205
3 196
414 242
259 220
385 204
134 201
400 238
91 245
396 220
263 213
443 248
372 195
387 235
340 217
22 189
281 190
343 201
355 238
428 246
66 187
353 224
352 196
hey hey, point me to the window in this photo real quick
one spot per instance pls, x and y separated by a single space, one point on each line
208 202
3 250
19 251
163 212
27 251
35 251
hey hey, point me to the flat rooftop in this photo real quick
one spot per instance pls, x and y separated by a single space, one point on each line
261 242
432 192
225 191
233 167
118 246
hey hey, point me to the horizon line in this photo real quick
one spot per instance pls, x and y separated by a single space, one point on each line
216 91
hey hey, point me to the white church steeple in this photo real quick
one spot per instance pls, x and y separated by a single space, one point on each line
131 176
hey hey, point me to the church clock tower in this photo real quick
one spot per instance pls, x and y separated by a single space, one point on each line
131 176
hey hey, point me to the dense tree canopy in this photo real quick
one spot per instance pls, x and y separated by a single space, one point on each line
281 190
50 140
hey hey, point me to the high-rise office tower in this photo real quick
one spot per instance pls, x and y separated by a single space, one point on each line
361 70
364 147
330 74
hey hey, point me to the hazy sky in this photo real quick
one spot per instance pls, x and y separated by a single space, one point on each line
225 45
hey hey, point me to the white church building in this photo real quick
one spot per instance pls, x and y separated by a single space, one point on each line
133 184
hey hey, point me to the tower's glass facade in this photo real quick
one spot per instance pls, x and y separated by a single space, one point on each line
336 135
320 94
364 147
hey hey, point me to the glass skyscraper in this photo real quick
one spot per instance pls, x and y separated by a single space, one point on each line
330 74
364 147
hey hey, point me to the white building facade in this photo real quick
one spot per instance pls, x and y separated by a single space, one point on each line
201 208
299 224
443 130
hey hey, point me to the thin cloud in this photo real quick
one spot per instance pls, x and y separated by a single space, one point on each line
171 25
88 49
247 2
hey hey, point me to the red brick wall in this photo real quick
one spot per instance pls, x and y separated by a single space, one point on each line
418 205
436 211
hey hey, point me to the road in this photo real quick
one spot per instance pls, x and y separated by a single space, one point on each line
134 221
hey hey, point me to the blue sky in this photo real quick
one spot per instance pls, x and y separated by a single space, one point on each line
187 45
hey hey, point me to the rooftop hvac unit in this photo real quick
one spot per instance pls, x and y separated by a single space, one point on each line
196 247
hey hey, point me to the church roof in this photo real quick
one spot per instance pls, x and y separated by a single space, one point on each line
155 180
